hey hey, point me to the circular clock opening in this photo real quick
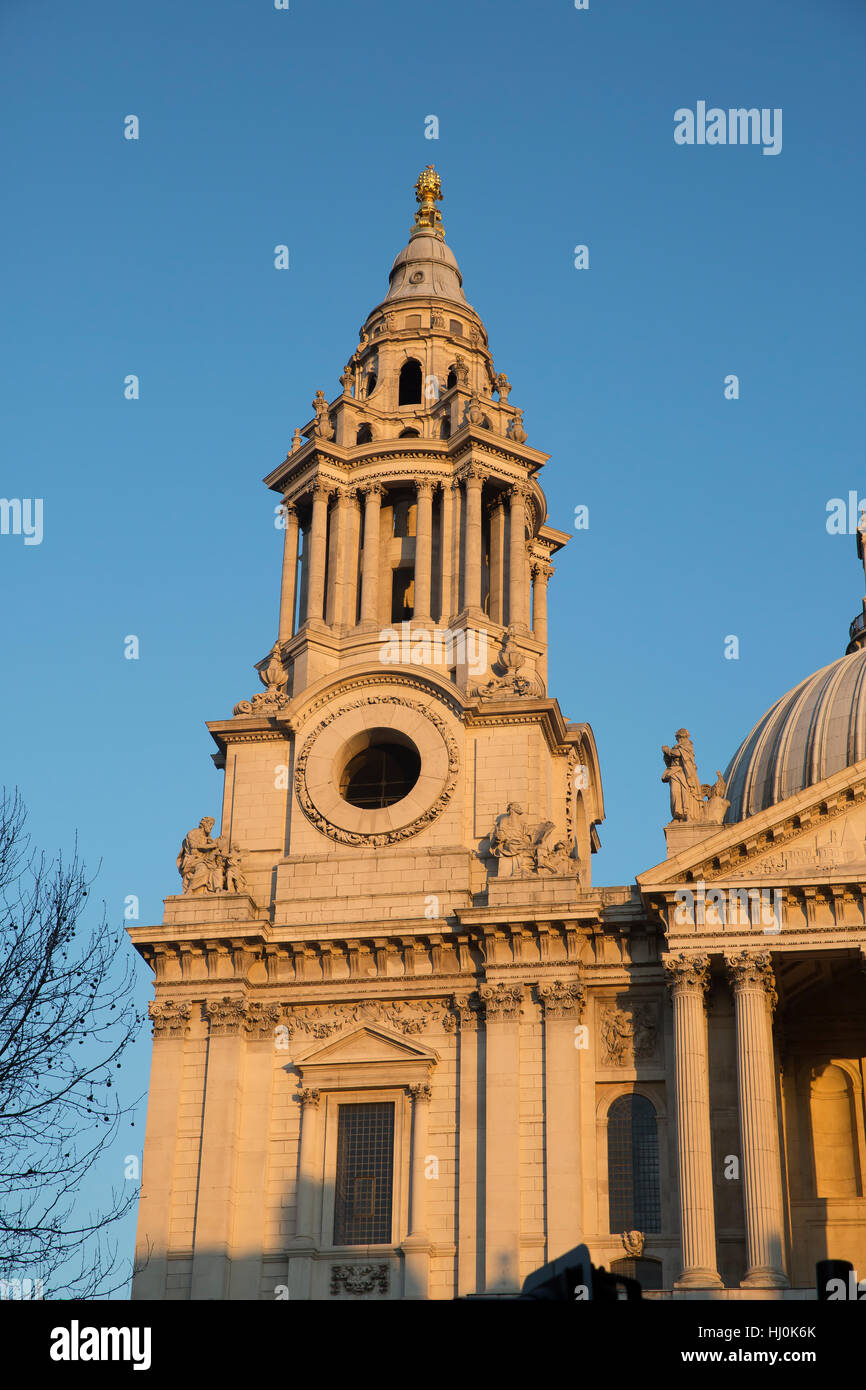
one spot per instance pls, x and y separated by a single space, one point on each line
381 767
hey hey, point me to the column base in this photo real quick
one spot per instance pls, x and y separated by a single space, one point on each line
416 1266
699 1279
765 1277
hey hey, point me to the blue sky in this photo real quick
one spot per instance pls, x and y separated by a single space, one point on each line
306 127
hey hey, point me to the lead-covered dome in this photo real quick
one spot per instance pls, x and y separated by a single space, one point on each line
817 729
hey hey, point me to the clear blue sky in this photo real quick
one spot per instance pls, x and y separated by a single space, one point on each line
306 127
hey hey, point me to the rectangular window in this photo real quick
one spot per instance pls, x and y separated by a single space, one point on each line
365 1170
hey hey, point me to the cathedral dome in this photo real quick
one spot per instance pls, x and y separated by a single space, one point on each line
427 266
816 729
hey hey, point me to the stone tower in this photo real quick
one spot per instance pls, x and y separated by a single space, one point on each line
357 986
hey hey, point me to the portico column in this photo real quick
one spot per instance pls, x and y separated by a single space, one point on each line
216 1187
370 562
318 549
688 978
170 1027
497 560
343 581
472 550
423 551
751 977
305 1205
290 573
517 595
456 547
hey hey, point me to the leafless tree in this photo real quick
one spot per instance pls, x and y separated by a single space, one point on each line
66 1017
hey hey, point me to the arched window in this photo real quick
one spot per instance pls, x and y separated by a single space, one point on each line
451 379
364 435
410 383
370 385
633 1165
445 427
409 434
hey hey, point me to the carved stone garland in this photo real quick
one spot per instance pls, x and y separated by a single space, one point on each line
389 837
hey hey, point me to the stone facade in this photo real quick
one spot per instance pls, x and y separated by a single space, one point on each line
399 913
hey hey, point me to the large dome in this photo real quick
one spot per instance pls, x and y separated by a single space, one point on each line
817 729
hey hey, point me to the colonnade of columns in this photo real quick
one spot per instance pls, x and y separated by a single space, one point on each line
456 587
751 978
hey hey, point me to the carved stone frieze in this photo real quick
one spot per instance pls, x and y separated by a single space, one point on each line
232 1015
465 1011
406 1016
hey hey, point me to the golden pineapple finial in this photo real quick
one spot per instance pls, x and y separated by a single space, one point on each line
428 192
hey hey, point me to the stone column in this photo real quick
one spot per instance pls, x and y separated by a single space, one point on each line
251 1160
472 550
343 581
318 552
497 561
423 552
541 572
502 1005
562 1004
517 590
303 1243
370 565
215 1202
416 1246
290 573
170 1026
470 1278
751 977
457 547
307 1181
447 549
688 977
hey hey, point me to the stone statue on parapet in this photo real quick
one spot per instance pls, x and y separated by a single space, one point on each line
206 865
522 850
691 800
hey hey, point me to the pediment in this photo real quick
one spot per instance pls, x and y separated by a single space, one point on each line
820 833
367 1045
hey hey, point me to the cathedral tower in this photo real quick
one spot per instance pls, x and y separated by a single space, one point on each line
355 989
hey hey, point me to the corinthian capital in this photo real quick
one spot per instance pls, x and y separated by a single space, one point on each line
752 970
170 1019
684 972
562 999
501 1001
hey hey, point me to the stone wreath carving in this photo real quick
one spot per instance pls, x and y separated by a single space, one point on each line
387 837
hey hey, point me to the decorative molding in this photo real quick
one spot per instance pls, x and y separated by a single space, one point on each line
309 1096
420 1092
385 837
466 1010
633 1243
229 1015
684 972
409 1017
501 1002
752 970
359 1279
562 999
170 1019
